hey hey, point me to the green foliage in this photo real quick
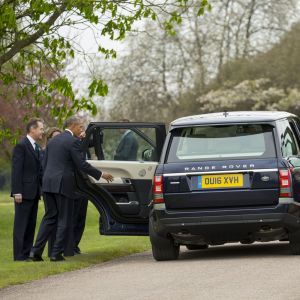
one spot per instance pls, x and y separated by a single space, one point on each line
8 133
98 87
204 5
31 46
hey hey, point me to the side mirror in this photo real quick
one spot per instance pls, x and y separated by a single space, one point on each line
147 154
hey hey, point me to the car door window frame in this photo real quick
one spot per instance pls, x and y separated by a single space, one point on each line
296 124
283 124
134 126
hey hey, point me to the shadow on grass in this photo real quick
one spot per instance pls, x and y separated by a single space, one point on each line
93 257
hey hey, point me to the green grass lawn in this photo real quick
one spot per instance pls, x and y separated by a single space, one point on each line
96 248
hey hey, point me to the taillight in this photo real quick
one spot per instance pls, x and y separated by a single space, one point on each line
158 196
285 183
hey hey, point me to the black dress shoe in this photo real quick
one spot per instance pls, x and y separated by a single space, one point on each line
35 257
22 259
57 258
77 251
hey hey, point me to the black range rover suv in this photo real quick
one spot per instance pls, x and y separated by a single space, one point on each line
215 178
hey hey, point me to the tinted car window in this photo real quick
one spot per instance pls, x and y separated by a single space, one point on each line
123 144
222 142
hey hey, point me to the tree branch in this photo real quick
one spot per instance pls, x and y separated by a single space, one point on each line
21 44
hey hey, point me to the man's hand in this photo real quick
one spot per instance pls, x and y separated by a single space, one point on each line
82 135
18 198
108 177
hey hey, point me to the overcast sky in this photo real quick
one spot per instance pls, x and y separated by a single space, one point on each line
87 42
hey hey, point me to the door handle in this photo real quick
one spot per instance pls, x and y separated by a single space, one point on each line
127 203
127 180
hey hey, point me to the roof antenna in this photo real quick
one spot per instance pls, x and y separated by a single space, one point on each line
225 113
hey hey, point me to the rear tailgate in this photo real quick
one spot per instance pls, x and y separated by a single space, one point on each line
234 184
229 165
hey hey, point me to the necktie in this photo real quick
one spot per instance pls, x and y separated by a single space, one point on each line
36 149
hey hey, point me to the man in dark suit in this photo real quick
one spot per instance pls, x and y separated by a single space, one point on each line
63 155
26 188
79 217
128 145
76 228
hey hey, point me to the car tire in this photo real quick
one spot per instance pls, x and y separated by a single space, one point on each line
295 242
165 253
162 248
196 247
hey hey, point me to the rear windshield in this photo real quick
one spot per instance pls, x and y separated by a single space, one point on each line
222 142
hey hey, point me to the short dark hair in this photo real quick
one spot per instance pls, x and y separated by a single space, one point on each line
33 122
71 121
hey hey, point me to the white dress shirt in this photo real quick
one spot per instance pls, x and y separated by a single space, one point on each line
32 141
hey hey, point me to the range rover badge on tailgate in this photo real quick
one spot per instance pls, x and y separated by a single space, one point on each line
265 178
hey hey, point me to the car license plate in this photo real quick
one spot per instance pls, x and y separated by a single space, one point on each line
220 181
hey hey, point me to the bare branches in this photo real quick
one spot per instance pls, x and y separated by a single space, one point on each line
175 71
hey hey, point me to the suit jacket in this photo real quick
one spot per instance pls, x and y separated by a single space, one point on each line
63 155
127 148
26 171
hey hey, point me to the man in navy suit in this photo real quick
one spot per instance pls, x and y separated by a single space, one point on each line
26 188
63 155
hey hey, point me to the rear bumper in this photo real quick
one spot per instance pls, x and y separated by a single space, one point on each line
214 227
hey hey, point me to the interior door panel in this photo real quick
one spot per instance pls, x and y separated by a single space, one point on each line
133 168
130 180
124 169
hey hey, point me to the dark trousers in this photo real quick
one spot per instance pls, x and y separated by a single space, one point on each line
24 227
80 210
75 230
69 237
57 217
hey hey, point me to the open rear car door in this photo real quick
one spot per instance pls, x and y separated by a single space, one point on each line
130 152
